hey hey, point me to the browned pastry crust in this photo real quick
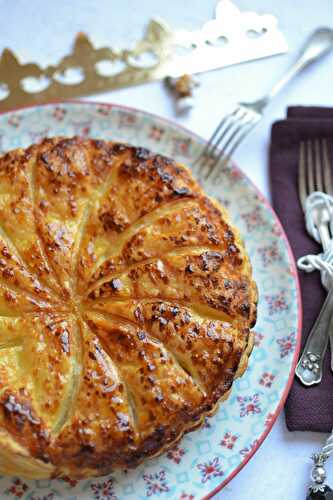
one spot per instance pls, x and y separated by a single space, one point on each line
126 302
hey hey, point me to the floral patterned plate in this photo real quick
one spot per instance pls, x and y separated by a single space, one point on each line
205 460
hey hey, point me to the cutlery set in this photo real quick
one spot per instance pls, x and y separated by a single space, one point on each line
315 194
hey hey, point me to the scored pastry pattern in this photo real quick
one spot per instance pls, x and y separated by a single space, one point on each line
183 478
125 302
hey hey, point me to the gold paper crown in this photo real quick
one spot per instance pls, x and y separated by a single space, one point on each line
230 38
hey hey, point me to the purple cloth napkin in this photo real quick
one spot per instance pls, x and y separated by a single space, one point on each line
307 408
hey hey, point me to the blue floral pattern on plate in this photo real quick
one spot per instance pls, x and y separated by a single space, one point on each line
205 459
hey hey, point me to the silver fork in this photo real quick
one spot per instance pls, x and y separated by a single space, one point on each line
314 174
235 126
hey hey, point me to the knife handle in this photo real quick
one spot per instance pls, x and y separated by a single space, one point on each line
310 366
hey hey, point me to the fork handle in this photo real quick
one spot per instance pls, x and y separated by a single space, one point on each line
310 366
319 43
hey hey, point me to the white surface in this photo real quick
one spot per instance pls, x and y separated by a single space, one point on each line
43 30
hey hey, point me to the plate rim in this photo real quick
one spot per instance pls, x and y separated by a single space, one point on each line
268 206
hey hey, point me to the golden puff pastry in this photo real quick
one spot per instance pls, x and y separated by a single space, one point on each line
126 302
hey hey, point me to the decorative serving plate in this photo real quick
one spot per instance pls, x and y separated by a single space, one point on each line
206 459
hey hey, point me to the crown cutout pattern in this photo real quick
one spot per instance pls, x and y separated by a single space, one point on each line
230 38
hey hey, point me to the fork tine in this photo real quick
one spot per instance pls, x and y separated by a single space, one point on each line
222 122
327 168
231 138
214 158
235 140
310 167
212 165
233 143
233 122
206 150
302 175
319 184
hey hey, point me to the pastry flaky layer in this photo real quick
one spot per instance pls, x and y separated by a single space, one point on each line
126 302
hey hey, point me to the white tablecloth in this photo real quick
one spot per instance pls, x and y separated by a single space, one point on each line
43 30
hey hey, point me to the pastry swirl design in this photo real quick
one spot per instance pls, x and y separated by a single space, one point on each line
126 302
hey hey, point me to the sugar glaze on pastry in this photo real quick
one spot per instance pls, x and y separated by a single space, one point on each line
126 302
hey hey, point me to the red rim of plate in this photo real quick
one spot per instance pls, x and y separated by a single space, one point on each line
292 264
